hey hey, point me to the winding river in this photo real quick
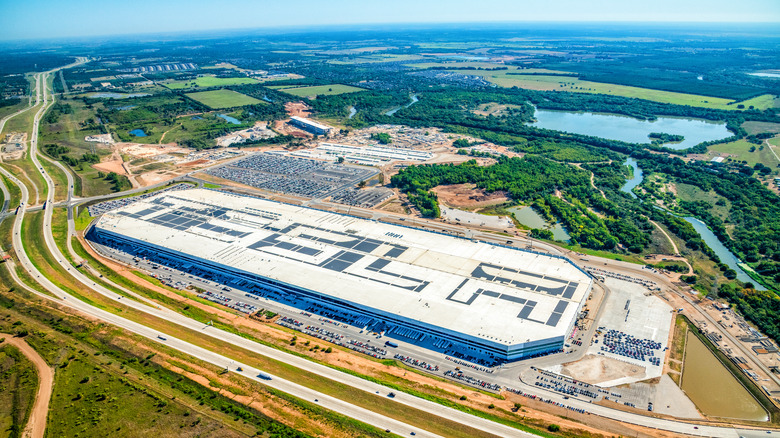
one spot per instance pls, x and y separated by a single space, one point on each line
635 180
723 253
413 99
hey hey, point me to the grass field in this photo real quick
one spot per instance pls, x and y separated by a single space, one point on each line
208 82
690 193
753 128
514 77
314 91
68 131
740 150
18 385
218 99
562 83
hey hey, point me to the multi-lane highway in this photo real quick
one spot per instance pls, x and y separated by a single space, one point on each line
45 99
341 406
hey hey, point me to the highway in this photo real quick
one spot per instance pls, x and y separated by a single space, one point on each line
341 406
283 385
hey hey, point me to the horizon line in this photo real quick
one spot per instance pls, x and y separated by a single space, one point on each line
279 30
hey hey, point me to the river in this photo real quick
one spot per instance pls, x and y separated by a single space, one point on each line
712 388
726 256
414 100
631 130
723 253
635 180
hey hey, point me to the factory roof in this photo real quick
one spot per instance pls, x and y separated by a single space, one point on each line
494 293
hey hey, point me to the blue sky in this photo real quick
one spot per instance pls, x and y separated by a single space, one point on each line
31 19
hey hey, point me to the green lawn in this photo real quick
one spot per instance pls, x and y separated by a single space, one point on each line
222 99
314 91
208 82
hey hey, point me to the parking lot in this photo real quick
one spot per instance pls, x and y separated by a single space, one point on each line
634 328
290 175
365 198
102 207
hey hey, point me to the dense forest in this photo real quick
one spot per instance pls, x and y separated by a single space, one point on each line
556 190
754 216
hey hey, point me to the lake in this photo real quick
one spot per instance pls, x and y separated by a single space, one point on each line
414 99
629 129
137 132
232 120
712 388
726 256
117 95
530 218
635 180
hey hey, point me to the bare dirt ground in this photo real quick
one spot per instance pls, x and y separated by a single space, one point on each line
36 425
299 109
194 163
282 127
596 369
395 205
457 159
468 196
114 164
151 178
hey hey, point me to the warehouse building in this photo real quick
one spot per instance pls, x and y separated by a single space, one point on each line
450 293
310 125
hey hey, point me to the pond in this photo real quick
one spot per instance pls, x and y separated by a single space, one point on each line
232 120
712 388
137 132
629 129
352 112
117 95
414 99
726 256
530 218
635 180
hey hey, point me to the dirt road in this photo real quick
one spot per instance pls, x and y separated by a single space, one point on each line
36 426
